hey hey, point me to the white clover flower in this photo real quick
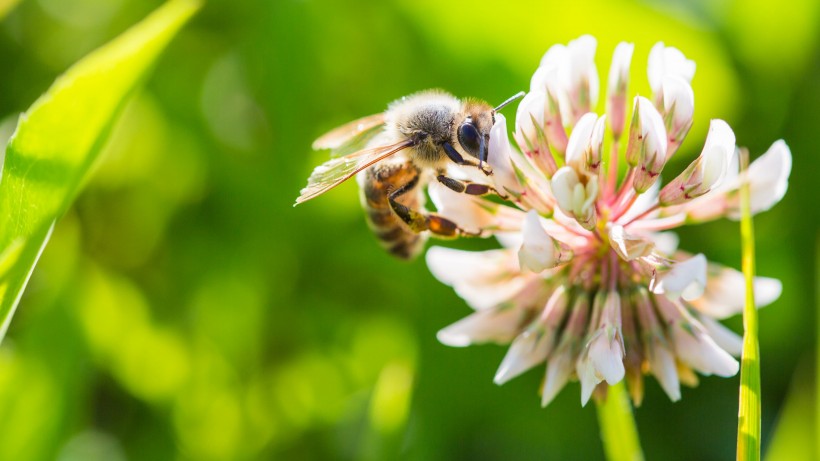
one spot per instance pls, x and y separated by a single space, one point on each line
588 280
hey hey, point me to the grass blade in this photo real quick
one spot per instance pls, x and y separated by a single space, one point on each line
748 419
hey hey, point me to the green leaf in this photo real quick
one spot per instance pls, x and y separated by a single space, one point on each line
59 138
6 6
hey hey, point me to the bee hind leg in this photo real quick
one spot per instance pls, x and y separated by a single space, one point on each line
420 221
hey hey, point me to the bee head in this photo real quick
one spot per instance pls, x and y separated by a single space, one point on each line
474 131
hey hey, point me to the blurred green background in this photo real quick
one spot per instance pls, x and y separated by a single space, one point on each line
184 310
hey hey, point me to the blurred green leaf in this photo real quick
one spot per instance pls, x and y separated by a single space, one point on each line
60 137
6 6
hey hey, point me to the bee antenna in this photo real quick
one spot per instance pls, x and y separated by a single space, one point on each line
518 95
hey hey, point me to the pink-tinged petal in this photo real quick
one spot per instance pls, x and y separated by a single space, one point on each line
617 87
534 344
498 325
725 292
619 70
678 108
663 367
652 145
583 73
643 203
667 60
569 73
629 246
697 349
686 279
596 145
768 180
579 141
725 338
483 279
560 363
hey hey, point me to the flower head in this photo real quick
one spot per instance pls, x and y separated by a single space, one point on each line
588 280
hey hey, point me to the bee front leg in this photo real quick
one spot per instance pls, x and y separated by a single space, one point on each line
423 221
453 155
468 187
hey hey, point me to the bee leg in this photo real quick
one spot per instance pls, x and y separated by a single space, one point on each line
422 221
469 187
453 154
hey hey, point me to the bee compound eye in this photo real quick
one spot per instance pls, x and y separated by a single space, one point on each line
469 139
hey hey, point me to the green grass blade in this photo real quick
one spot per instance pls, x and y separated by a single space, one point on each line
58 139
748 420
618 430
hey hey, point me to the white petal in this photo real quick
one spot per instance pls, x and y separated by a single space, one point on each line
499 156
579 140
678 92
619 70
582 65
665 61
589 379
607 357
685 279
717 152
768 179
559 368
653 128
532 346
725 293
725 338
665 242
563 185
483 279
499 325
699 350
537 252
527 350
662 365
532 106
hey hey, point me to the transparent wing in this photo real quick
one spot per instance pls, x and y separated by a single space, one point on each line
357 142
338 170
346 133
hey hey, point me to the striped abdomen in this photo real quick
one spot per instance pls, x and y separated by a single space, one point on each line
376 183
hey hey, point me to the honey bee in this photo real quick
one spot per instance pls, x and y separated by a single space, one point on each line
396 152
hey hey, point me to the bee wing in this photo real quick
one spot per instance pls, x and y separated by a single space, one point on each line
338 170
344 134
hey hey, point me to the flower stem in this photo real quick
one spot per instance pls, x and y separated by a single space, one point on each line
618 430
748 420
